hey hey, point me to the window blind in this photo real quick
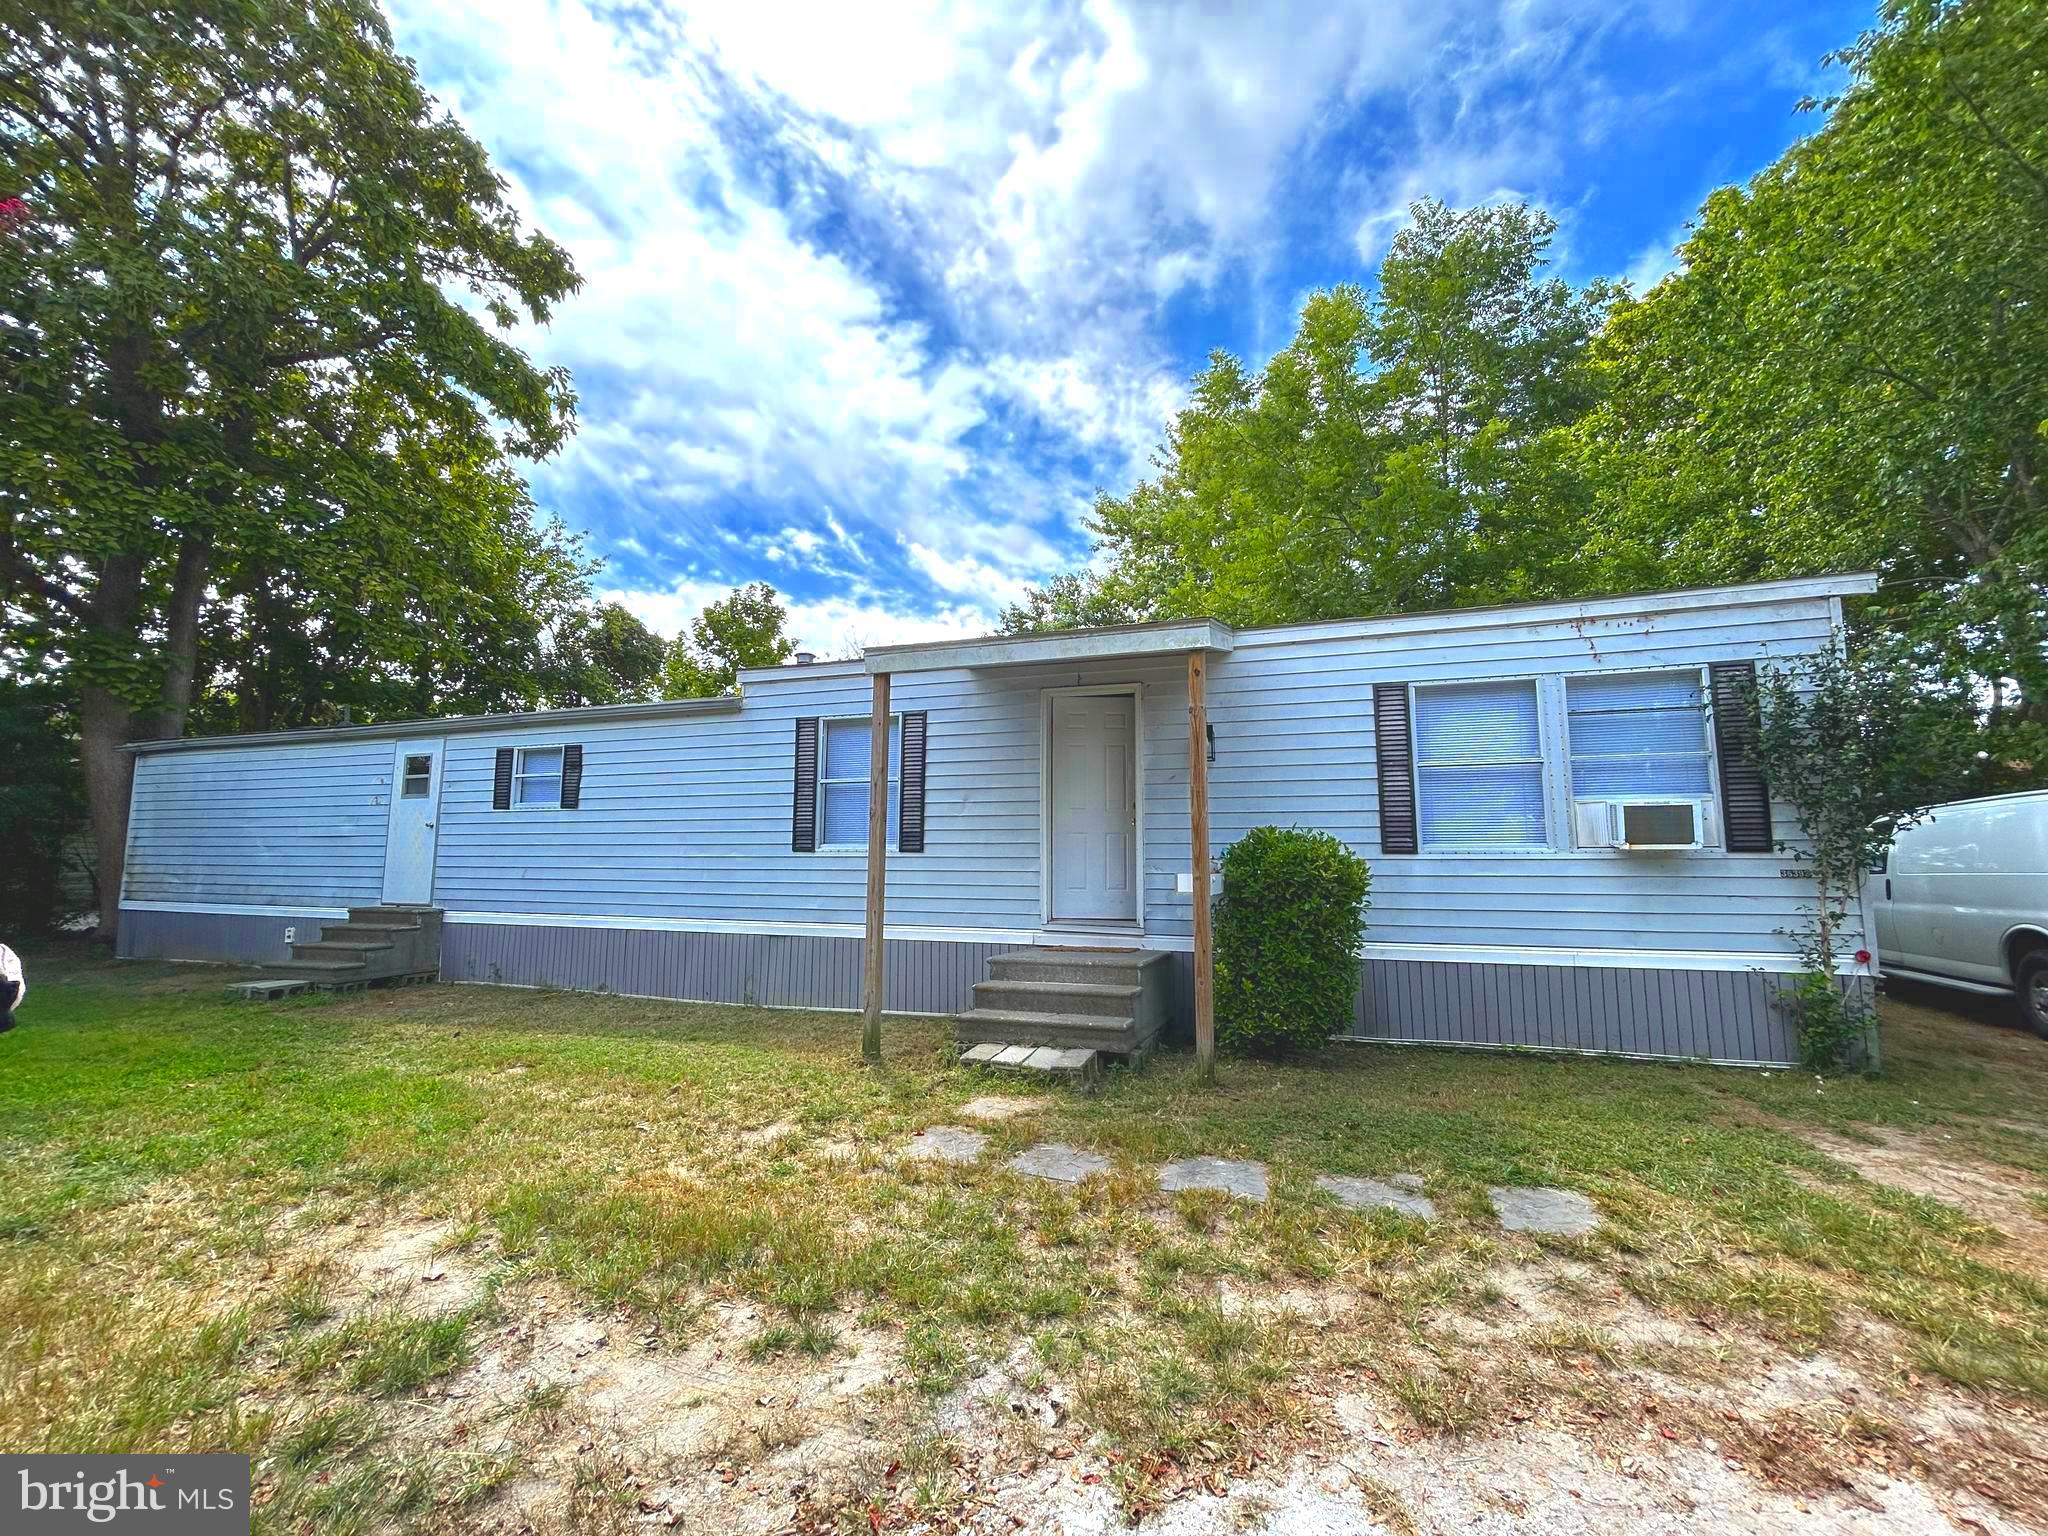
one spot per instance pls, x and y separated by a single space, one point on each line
1479 766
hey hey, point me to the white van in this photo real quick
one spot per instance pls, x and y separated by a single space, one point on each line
1962 900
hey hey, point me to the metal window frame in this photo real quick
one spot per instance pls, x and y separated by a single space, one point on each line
866 723
1542 760
519 774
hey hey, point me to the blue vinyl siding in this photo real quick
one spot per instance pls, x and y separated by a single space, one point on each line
689 818
286 825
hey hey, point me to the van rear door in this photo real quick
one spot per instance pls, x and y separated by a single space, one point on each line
1905 920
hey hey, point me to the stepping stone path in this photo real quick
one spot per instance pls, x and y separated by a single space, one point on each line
948 1144
1060 1163
997 1106
1553 1212
1403 1193
1245 1179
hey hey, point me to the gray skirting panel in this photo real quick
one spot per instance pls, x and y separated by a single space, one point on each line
1726 1016
1690 1015
770 970
234 937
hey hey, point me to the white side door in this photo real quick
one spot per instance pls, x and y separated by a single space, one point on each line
415 803
1093 808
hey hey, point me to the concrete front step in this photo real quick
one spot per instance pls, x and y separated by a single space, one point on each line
366 932
1003 1026
326 948
1114 1001
1081 967
1083 1000
316 969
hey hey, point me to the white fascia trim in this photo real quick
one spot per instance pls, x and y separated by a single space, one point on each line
1640 605
1475 954
224 909
1471 954
1605 959
1123 642
739 925
790 672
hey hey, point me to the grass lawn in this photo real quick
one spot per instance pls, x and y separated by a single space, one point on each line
357 1237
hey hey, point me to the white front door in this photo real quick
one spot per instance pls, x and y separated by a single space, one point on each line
1093 807
409 846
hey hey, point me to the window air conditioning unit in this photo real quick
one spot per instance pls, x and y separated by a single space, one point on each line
1639 826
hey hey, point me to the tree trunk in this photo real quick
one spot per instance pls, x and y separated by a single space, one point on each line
181 634
104 722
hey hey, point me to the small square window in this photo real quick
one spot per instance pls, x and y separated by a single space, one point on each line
537 778
418 780
843 783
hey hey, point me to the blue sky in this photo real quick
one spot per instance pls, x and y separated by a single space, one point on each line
876 297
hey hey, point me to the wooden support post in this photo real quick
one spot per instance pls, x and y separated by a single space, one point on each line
878 860
1198 837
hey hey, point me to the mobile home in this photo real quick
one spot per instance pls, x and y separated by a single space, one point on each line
1571 848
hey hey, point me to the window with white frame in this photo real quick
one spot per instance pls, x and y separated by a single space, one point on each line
537 778
418 780
1638 735
1479 767
843 762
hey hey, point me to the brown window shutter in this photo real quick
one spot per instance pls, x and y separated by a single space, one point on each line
501 782
1396 765
572 777
1745 797
803 831
910 825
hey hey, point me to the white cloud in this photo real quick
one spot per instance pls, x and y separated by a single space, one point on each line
1656 261
831 256
831 627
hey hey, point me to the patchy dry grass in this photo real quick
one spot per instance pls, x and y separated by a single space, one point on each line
460 1258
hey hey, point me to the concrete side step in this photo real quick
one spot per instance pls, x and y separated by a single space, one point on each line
326 948
404 916
1079 967
1077 1062
1009 1027
1073 998
380 932
322 969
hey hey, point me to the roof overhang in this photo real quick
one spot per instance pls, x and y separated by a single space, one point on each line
453 725
1116 643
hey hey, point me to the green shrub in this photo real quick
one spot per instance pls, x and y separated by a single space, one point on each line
1287 936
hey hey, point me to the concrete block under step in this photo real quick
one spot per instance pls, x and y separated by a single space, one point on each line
268 991
1076 1062
1007 1027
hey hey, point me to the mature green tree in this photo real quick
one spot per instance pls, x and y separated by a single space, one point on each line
605 656
256 282
1851 367
42 803
745 629
1072 600
1398 454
